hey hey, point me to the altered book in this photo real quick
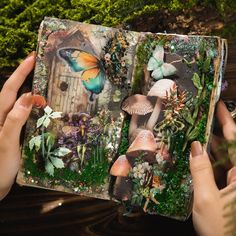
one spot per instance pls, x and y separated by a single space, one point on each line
116 111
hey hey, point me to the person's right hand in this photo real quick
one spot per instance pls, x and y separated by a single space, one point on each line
211 205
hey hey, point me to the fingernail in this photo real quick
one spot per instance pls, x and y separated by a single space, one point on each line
196 149
26 100
32 54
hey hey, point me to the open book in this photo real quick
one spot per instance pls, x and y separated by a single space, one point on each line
116 113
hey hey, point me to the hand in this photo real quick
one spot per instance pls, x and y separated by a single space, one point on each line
13 115
209 204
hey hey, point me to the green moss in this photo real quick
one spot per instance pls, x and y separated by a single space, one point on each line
94 173
124 145
144 52
175 199
20 20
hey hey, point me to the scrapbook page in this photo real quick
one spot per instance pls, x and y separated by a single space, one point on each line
116 111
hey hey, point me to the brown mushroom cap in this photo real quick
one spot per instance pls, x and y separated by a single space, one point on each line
121 167
160 88
137 104
143 144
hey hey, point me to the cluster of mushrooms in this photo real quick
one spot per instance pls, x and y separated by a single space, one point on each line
141 138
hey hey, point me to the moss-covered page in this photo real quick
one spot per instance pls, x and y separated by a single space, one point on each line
115 113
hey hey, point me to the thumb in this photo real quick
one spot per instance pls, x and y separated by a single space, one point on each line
16 118
201 170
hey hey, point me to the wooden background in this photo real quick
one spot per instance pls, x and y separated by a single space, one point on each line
31 211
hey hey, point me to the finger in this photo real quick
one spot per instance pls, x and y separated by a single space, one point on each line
220 152
226 121
9 91
231 176
15 119
201 170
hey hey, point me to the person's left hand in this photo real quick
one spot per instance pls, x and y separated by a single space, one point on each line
13 115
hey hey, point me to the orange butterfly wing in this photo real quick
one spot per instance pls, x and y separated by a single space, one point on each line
90 74
86 60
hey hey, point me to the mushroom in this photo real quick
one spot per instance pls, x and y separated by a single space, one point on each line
121 167
123 186
144 144
160 89
136 105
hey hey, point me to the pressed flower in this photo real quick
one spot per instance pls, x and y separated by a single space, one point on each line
107 57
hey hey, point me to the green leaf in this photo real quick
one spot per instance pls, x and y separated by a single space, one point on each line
195 113
35 142
56 114
48 110
49 168
189 118
196 81
206 65
40 121
46 122
61 151
57 162
193 134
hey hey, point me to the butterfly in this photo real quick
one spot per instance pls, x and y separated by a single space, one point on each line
93 73
157 65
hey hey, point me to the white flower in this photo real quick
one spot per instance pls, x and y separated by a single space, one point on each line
159 158
138 171
146 166
123 63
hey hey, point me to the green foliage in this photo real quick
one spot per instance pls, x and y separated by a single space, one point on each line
45 142
124 145
144 52
20 20
95 171
175 199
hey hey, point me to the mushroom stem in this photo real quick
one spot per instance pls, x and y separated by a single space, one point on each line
154 116
133 124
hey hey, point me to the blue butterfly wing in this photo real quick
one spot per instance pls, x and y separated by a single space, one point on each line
78 60
96 84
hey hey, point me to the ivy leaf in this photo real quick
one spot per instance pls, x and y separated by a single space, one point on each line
49 168
57 162
35 142
48 110
56 114
61 151
46 122
196 81
40 121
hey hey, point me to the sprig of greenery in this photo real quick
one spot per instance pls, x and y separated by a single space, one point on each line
45 143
